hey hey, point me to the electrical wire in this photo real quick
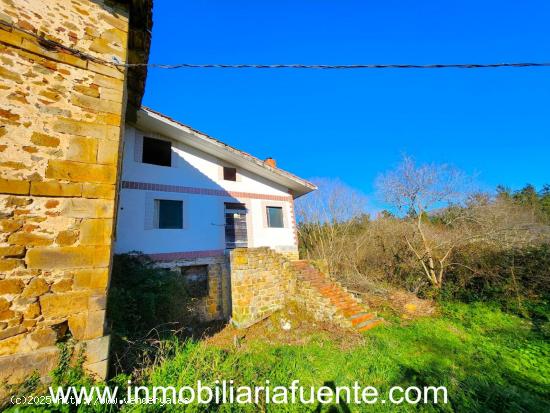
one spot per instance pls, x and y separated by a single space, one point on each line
336 67
115 62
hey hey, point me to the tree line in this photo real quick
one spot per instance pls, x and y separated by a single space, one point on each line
440 236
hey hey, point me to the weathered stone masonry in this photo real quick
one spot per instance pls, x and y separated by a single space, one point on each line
60 138
263 281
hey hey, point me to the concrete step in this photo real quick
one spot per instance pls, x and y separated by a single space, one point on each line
359 318
367 325
344 302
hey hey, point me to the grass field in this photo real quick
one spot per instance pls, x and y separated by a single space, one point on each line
488 360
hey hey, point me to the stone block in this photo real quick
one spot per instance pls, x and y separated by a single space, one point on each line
16 368
62 285
99 369
82 149
80 172
96 231
68 257
14 341
12 186
107 152
32 311
97 350
87 90
115 95
96 104
62 305
7 315
43 337
29 239
11 286
108 82
54 188
86 129
93 278
36 287
106 70
97 302
12 251
42 139
10 225
95 326
65 238
87 208
77 325
104 46
104 191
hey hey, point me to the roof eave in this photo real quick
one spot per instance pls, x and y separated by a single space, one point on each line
157 122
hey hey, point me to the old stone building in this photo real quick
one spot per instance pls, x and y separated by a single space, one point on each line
62 104
64 101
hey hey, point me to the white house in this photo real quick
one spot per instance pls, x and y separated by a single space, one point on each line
186 199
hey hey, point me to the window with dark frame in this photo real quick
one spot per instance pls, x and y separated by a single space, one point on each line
195 278
275 217
157 151
229 174
170 214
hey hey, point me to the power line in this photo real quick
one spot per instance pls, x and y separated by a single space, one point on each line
52 44
335 67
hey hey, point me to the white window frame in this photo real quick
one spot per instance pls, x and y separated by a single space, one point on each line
277 204
152 209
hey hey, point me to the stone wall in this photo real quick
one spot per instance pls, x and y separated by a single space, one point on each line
216 306
261 282
60 138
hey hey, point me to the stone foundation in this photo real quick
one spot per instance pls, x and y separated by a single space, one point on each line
261 281
216 305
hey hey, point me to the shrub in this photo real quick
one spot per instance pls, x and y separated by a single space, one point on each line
145 304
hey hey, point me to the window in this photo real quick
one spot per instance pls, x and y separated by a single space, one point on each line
275 217
157 152
229 174
169 213
195 278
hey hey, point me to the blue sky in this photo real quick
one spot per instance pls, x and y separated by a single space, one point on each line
494 123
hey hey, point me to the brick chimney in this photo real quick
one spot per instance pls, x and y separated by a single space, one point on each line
270 162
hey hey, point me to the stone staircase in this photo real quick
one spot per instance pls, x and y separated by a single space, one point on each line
327 298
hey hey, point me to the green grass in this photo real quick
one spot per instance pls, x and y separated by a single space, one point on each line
489 361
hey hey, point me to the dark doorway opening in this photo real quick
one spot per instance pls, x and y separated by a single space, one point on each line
235 226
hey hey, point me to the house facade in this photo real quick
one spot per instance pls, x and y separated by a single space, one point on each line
186 199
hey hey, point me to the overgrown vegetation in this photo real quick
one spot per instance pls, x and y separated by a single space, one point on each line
489 360
482 261
441 240
145 305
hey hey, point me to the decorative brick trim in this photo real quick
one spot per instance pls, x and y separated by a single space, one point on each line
293 222
201 191
185 255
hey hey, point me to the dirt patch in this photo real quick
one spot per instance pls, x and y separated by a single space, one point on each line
289 326
405 304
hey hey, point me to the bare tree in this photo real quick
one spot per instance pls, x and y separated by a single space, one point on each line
419 189
326 220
